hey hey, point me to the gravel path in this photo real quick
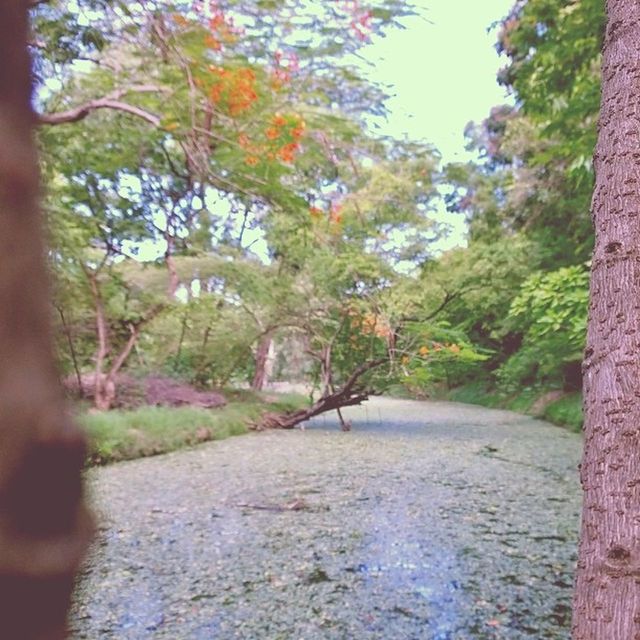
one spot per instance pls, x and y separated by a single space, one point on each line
432 521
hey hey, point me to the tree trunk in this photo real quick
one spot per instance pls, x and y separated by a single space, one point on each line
103 395
72 350
174 278
607 597
44 526
261 375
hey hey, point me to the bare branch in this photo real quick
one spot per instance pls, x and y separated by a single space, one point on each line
81 112
111 101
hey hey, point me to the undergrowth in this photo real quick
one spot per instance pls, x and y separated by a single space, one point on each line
128 434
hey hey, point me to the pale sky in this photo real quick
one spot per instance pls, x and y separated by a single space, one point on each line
443 72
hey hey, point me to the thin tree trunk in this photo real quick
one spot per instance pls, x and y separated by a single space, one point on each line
72 349
263 349
170 263
108 387
44 526
325 369
126 351
183 332
103 396
607 597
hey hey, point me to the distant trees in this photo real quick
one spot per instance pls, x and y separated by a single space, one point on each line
201 129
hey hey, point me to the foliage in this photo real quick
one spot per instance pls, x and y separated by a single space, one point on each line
551 312
229 200
433 354
554 50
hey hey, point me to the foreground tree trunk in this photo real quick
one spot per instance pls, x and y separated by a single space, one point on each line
607 597
44 527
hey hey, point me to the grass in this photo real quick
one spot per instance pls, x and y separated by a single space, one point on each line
146 431
567 411
475 393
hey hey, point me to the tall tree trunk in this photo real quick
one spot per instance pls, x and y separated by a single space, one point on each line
44 526
607 597
263 350
103 394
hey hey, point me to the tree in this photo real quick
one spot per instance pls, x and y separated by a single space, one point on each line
607 597
554 51
44 526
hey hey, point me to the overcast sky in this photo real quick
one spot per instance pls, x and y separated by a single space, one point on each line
442 72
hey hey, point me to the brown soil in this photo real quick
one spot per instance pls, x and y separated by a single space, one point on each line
153 390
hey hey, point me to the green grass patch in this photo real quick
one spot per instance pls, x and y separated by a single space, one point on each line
522 401
566 411
475 393
146 431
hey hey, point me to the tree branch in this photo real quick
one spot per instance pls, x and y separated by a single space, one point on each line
81 112
111 101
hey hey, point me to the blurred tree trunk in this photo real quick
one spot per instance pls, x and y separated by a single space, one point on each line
607 598
263 350
44 527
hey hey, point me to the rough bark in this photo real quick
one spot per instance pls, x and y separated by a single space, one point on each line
44 526
607 597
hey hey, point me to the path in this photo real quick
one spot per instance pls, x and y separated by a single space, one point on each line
431 521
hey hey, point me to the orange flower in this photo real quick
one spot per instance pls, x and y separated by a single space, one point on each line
252 161
272 133
216 22
287 153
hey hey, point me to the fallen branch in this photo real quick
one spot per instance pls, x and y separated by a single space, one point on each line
348 395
